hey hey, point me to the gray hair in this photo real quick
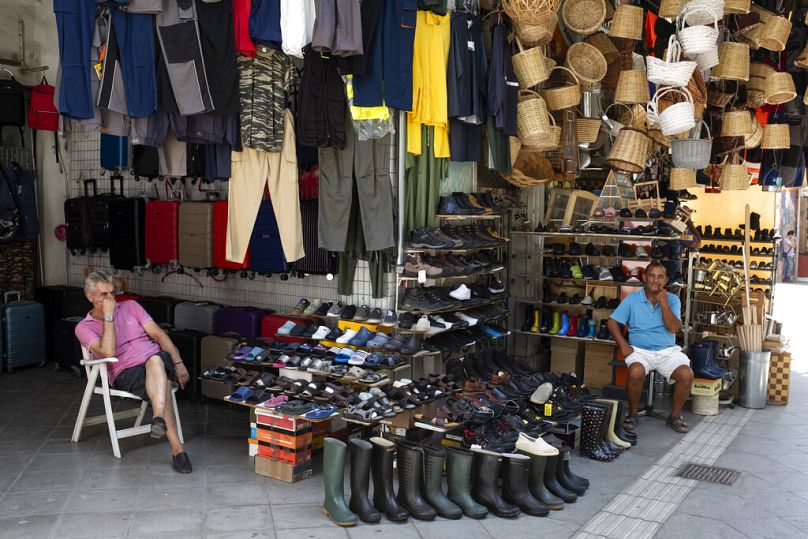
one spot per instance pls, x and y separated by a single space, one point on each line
96 277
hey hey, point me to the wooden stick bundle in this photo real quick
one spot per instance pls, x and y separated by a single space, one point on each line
750 333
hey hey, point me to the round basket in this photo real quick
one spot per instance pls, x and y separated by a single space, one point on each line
627 22
697 39
708 59
759 69
704 405
669 9
532 34
780 88
802 59
529 169
752 141
550 141
733 62
734 177
529 66
630 150
719 98
737 6
776 137
704 8
693 153
682 178
632 87
531 118
563 97
583 16
587 62
737 123
676 118
670 71
601 41
587 129
773 34
531 11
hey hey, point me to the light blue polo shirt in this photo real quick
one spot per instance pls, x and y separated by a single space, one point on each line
646 328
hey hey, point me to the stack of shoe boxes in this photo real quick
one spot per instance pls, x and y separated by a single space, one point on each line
284 446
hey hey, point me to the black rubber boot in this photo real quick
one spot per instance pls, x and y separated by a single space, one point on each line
383 497
515 489
484 487
551 482
623 434
361 455
577 479
458 470
562 478
536 484
433 484
334 505
410 460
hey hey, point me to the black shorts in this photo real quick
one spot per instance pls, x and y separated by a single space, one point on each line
133 379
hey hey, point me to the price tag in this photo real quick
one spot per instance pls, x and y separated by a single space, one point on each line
548 409
421 276
471 45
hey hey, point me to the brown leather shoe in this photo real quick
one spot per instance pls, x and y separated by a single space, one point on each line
473 385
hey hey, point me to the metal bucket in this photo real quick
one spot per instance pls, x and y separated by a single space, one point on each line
754 379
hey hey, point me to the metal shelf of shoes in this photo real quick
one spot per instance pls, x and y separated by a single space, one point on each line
453 217
463 277
572 338
597 235
427 334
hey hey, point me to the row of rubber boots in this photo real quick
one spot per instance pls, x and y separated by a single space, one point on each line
603 437
561 323
531 484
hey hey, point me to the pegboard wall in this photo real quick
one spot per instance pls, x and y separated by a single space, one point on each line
272 292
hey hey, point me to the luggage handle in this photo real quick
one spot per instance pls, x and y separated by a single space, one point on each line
213 196
112 179
92 182
12 293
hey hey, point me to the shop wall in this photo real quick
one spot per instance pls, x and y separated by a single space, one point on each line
41 49
726 209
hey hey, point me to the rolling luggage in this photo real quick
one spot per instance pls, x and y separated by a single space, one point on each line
220 240
77 222
127 248
160 308
191 315
162 232
266 251
114 152
23 334
66 347
245 321
189 344
99 212
196 235
60 302
317 261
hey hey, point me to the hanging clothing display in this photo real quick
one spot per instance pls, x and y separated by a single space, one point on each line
503 88
424 175
297 25
108 86
265 23
218 42
322 104
241 27
75 23
134 34
371 15
338 27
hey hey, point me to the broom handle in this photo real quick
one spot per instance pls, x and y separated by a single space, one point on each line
746 250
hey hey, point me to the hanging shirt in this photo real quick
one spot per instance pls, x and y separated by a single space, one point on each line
241 26
503 88
297 25
429 97
265 23
468 70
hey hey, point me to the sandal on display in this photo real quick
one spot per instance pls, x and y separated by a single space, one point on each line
276 401
240 395
321 412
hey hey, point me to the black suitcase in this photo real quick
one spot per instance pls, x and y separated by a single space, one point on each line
189 344
317 261
77 221
160 308
66 347
99 212
60 301
23 334
127 233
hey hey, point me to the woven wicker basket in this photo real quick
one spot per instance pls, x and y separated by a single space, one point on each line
752 141
532 125
529 66
682 178
737 123
669 9
565 96
733 61
630 150
759 69
532 34
583 17
773 33
587 62
657 136
549 142
529 168
802 59
780 88
587 129
601 41
734 176
737 6
776 137
693 152
627 22
632 87
531 11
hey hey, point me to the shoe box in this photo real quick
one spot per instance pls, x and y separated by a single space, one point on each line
705 388
214 389
283 438
597 364
282 471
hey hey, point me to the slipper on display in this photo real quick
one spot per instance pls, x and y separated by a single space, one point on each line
256 396
240 395
275 401
321 412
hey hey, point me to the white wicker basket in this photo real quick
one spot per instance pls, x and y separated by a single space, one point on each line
676 118
697 39
670 71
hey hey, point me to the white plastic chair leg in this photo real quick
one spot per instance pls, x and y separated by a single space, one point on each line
177 417
143 407
113 434
85 403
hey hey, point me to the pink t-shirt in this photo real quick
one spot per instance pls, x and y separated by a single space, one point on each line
134 346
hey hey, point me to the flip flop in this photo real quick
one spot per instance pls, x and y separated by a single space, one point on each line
240 395
276 401
295 407
321 412
256 396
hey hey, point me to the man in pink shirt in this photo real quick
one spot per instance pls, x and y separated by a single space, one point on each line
146 356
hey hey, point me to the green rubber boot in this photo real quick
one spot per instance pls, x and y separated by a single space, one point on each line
433 484
556 323
334 505
458 470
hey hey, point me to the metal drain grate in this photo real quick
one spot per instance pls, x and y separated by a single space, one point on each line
711 474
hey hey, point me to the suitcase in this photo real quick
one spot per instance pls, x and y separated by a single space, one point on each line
215 350
162 239
160 308
245 321
114 152
220 240
60 302
23 332
99 212
266 251
199 316
66 347
127 223
196 235
189 345
317 261
77 222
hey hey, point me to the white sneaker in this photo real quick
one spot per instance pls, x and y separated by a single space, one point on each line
467 318
321 333
286 328
347 336
462 292
587 300
535 446
422 324
442 321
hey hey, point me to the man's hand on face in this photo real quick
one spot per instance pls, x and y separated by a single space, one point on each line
108 306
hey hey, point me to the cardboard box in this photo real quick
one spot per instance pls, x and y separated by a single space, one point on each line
566 356
283 471
214 389
705 388
284 454
597 364
284 439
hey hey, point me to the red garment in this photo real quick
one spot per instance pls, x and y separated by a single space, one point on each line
650 33
241 19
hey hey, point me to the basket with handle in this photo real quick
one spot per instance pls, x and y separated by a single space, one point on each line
669 9
720 94
549 141
601 41
682 178
587 129
692 152
676 118
752 140
776 137
699 38
733 61
531 118
802 59
734 175
632 87
736 123
630 150
708 59
583 16
773 33
533 20
627 22
587 62
702 17
563 97
614 126
671 71
529 66
780 88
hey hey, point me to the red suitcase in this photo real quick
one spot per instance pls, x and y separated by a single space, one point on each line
220 240
162 225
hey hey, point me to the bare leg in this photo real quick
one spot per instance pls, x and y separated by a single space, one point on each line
684 378
634 383
156 383
171 424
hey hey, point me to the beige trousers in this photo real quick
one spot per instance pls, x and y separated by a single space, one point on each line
252 171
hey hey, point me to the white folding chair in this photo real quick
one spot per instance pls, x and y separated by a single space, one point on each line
97 368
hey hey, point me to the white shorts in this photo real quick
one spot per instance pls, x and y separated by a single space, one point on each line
663 361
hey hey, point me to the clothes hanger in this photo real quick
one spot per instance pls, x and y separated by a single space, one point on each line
3 69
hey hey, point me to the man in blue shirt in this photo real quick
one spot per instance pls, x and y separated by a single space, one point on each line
653 316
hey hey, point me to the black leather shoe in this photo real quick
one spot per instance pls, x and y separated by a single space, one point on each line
158 427
182 464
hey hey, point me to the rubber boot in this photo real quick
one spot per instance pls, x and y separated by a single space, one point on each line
458 471
361 456
536 484
593 328
528 318
384 499
433 484
623 434
334 505
410 475
535 327
565 324
551 482
546 317
584 482
605 437
612 407
556 323
583 326
562 478
515 489
573 329
484 489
